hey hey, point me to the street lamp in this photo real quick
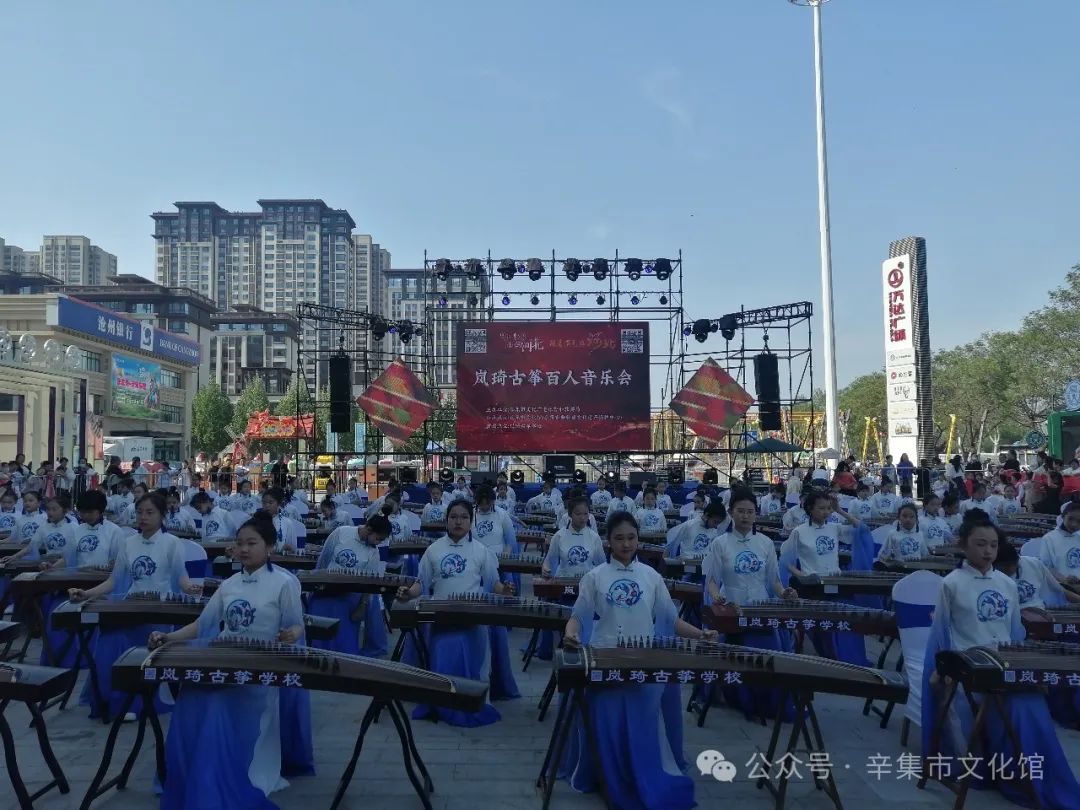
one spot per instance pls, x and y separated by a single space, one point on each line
832 414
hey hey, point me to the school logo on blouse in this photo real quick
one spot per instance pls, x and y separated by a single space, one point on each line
825 544
1010 507
547 504
239 615
652 521
934 532
624 593
436 515
1025 589
701 542
212 526
395 529
172 523
1072 558
747 562
142 567
577 555
346 558
7 521
452 565
773 507
28 531
991 606
909 546
55 540
87 543
484 528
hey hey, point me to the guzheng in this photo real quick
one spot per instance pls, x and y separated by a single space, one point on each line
529 536
35 583
472 610
1007 667
337 581
30 683
434 527
520 563
846 583
556 588
412 545
16 567
10 631
301 560
686 564
1060 623
240 663
137 609
939 565
537 519
799 614
662 661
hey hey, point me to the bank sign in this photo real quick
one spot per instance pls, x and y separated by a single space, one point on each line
111 327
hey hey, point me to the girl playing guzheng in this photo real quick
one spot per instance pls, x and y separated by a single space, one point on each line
224 748
495 529
629 599
905 541
284 530
740 568
354 550
150 561
458 564
980 606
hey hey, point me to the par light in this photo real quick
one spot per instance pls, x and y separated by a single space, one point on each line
600 300
506 300
687 331
442 269
378 328
507 269
573 300
663 300
599 269
635 300
474 268
663 269
728 325
473 300
633 269
442 301
536 269
572 268
406 330
534 300
702 328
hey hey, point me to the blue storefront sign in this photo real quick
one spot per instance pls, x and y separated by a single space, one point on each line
106 325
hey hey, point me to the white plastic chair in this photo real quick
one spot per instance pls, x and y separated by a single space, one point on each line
1032 548
194 553
238 517
880 535
914 598
299 527
353 511
412 520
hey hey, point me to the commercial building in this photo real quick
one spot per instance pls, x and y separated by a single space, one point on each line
251 343
124 378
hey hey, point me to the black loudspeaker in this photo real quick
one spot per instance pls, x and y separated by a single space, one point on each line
559 465
767 381
340 395
710 478
642 479
922 482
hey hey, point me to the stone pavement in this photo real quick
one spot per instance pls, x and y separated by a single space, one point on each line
496 766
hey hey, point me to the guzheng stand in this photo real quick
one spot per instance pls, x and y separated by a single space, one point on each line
31 686
414 765
418 643
574 705
9 634
994 701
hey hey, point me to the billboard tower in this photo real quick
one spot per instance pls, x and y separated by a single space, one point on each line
909 391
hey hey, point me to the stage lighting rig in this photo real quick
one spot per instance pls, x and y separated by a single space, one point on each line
572 268
728 326
535 300
599 269
379 328
702 328
406 331
442 269
507 269
473 300
633 269
474 268
663 269
536 269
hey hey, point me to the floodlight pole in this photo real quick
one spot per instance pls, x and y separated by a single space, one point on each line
832 410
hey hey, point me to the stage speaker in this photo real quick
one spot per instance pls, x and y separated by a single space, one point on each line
711 478
482 479
642 479
559 465
922 482
517 477
767 381
340 395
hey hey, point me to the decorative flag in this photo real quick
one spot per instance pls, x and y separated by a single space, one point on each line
712 402
262 425
397 402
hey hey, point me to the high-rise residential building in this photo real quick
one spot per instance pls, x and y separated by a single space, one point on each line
289 252
251 343
16 260
75 260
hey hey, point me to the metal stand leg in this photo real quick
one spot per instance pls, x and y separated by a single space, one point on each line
12 762
545 699
936 732
530 650
564 727
96 788
412 746
350 767
422 790
46 752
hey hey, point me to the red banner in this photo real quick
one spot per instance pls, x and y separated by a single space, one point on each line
552 387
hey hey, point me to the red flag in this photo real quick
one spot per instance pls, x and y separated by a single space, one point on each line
397 402
712 402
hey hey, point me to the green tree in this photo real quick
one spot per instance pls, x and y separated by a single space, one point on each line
441 427
296 392
251 400
211 412
864 396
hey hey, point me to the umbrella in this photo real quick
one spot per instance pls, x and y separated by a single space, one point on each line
827 453
772 446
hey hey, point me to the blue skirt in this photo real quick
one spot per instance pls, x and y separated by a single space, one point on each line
210 747
503 685
347 640
461 653
642 768
109 645
58 639
1064 702
297 751
1030 717
756 701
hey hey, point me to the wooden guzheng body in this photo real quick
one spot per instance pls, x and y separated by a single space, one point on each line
138 609
1008 667
36 583
436 526
414 545
335 581
16 567
520 563
846 583
287 665
682 661
557 588
1060 623
799 614
938 564
301 560
472 610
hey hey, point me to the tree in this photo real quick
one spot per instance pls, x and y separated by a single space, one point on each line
864 396
441 427
211 412
251 400
297 391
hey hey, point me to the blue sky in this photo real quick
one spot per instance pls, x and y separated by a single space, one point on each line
579 127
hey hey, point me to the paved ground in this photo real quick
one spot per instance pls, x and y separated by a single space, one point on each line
496 766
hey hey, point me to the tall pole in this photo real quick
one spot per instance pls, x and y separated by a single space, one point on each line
832 411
